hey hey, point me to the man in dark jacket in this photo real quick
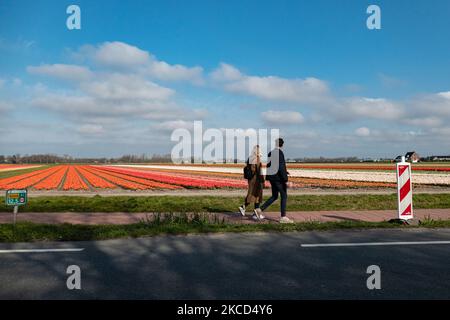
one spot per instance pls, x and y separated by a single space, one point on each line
277 175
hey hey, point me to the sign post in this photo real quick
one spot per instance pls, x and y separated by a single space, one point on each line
404 191
16 198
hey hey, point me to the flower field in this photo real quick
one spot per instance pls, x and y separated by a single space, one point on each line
89 177
313 175
168 177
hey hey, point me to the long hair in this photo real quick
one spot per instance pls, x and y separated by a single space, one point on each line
255 156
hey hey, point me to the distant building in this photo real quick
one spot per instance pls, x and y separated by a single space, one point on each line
440 158
412 156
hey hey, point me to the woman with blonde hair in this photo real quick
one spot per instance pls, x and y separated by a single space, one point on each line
255 179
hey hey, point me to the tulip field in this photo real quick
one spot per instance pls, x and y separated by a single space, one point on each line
89 177
97 178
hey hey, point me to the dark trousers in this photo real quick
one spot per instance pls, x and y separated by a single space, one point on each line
278 187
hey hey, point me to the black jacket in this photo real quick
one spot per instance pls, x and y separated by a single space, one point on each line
273 173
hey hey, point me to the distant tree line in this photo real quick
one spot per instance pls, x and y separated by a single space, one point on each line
53 158
166 158
328 160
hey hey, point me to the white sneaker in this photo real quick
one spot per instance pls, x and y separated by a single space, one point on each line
286 220
258 213
254 217
242 210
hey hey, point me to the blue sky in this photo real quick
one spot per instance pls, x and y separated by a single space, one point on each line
310 68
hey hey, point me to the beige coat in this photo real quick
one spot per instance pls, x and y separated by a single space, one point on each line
255 185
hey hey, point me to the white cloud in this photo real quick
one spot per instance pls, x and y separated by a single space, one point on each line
108 96
174 124
164 71
91 129
282 117
112 98
370 108
444 131
432 105
86 106
226 72
445 95
271 87
119 54
362 132
425 122
122 56
429 111
62 71
120 87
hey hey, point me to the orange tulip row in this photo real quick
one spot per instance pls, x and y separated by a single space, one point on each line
27 179
73 181
126 184
52 181
93 179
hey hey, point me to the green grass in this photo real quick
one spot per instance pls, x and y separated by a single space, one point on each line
175 224
221 204
11 173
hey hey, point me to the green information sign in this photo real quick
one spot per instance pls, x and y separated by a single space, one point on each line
16 197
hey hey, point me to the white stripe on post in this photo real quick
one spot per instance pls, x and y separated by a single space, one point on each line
404 190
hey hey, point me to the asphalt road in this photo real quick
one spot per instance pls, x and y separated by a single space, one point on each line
234 266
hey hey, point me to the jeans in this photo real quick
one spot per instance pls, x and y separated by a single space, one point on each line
278 187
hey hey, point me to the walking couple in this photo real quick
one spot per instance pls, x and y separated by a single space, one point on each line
276 174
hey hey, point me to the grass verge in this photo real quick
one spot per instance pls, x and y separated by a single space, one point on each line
222 204
177 224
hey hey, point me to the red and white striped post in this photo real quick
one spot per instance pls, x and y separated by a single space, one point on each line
404 190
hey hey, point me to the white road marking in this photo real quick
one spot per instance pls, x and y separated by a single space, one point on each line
360 244
41 250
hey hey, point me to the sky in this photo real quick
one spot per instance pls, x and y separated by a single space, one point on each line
137 70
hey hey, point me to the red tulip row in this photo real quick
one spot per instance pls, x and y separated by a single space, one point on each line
180 180
148 183
126 184
95 180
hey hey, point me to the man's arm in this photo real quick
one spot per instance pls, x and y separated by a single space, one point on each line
282 167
